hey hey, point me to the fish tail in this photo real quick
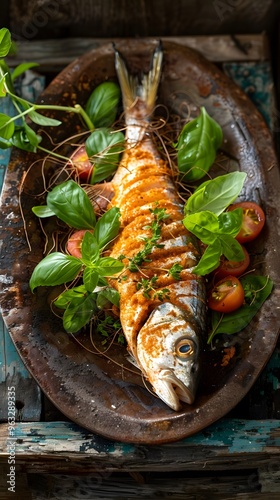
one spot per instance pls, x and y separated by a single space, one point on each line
144 89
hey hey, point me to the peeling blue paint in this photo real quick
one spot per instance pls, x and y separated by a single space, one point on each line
256 80
227 433
236 436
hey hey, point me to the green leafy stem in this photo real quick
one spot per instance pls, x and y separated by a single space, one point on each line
205 216
256 289
69 202
100 111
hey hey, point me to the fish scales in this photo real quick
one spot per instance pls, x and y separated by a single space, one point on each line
163 327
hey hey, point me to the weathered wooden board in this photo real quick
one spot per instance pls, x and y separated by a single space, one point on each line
187 486
256 80
12 370
60 447
53 55
14 374
46 19
232 444
78 412
22 490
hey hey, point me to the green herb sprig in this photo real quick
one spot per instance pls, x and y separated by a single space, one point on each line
149 242
109 326
101 109
69 202
205 217
257 289
197 146
148 285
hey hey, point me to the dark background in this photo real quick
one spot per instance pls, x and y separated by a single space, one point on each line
29 19
45 19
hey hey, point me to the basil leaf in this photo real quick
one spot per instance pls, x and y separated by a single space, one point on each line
218 233
90 279
102 282
43 120
232 250
71 204
257 289
79 312
3 91
197 146
64 299
230 222
103 103
42 211
107 227
32 137
7 77
106 295
204 225
210 259
5 144
25 138
103 147
90 249
7 127
21 68
107 266
55 269
217 194
5 42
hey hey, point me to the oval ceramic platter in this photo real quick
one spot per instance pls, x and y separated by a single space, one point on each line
99 392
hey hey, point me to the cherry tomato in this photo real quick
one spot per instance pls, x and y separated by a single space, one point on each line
74 243
227 295
231 267
253 220
81 164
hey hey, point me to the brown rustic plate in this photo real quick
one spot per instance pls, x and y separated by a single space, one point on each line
92 390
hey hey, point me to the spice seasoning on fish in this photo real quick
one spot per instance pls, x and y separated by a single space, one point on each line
162 303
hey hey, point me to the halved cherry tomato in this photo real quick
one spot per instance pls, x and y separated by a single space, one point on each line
253 220
74 243
81 165
231 267
227 295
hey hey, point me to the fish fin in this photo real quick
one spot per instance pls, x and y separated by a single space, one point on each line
100 195
145 89
132 360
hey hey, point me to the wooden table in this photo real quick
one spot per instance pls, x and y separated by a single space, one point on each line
238 457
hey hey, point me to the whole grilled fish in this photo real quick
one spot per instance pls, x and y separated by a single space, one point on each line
162 314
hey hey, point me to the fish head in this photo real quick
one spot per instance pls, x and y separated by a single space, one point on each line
168 352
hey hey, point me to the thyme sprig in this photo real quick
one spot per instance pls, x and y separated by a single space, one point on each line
109 326
148 285
149 290
150 242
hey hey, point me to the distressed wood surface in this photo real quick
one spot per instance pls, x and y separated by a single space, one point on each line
186 486
12 370
22 490
14 374
44 18
60 447
234 459
53 54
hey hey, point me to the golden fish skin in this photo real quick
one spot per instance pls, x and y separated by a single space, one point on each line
164 327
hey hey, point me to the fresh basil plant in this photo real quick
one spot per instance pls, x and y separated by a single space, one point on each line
104 147
207 220
197 146
257 289
102 105
69 202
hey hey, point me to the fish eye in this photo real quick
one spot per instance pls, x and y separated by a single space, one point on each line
184 348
